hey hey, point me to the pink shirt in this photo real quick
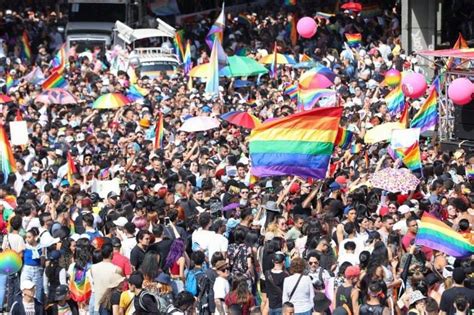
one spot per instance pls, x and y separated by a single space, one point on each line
123 263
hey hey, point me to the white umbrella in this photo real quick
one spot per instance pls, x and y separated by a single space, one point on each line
199 123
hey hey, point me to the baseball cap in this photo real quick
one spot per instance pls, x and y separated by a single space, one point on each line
404 209
116 242
121 221
86 202
61 291
459 275
27 285
352 271
80 137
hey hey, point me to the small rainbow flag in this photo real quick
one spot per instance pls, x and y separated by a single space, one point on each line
435 234
79 285
291 3
427 116
354 40
26 47
159 133
59 60
292 91
9 83
55 80
410 156
470 173
6 155
178 42
344 138
308 98
71 169
404 116
300 144
188 63
395 101
356 148
305 58
217 29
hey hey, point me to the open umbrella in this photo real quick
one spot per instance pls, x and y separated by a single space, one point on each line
319 77
281 59
110 100
56 96
240 66
395 180
5 99
199 123
354 6
242 119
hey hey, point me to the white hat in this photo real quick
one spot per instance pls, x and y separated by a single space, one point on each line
120 221
46 239
416 296
80 137
158 187
404 209
35 170
84 235
26 285
69 139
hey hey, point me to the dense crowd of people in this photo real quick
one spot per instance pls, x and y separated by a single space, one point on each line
191 231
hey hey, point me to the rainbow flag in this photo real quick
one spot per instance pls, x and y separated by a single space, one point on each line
80 287
159 133
6 155
291 30
9 83
435 234
470 173
274 65
71 169
55 80
404 116
344 138
25 46
354 40
356 148
459 44
212 84
290 3
308 98
188 63
427 116
410 156
305 58
178 43
300 144
395 101
292 91
60 59
135 92
217 29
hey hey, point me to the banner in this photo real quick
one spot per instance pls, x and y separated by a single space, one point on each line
19 132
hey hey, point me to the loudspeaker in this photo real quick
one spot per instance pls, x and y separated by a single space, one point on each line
464 121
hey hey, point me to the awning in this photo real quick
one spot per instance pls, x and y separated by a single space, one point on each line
453 53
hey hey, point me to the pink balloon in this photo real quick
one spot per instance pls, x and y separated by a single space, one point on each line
413 85
461 91
306 27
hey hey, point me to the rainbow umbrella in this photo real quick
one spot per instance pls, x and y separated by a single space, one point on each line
5 99
10 262
110 100
281 59
319 77
242 119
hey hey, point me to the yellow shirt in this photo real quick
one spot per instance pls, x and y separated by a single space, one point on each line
126 302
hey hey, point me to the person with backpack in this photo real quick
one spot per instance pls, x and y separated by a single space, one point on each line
373 304
143 301
315 271
183 304
274 283
197 282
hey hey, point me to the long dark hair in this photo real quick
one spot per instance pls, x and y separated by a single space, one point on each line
176 252
241 289
151 265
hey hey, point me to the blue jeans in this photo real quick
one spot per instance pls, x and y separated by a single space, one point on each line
3 289
305 313
35 275
274 311
13 285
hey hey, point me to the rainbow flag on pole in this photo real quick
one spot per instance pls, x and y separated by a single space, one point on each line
71 169
395 101
291 30
404 116
427 116
60 59
217 29
25 46
178 42
344 138
188 63
6 155
212 84
300 144
292 91
410 156
159 133
354 40
274 64
435 234
55 80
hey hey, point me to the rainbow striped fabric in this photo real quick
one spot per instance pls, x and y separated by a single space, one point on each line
212 84
437 235
470 173
135 92
159 133
300 144
291 31
188 63
308 98
71 169
292 91
427 116
356 148
395 101
344 138
79 285
217 29
354 40
404 116
25 46
178 43
410 156
55 80
60 59
6 155
9 83
305 58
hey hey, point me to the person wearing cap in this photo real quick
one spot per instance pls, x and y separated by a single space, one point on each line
120 260
347 295
221 286
401 225
274 279
62 303
448 297
26 303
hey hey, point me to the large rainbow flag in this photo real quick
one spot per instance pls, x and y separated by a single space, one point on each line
300 144
217 29
435 234
395 101
6 155
178 42
212 84
427 116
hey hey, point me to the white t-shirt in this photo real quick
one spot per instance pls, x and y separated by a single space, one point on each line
203 238
218 244
221 289
127 245
14 242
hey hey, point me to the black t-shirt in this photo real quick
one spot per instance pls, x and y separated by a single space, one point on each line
115 300
298 209
274 288
162 248
211 275
137 255
149 304
447 299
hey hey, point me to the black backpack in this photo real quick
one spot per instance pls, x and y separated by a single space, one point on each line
161 303
204 287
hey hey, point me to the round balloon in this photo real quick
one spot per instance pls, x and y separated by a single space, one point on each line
10 262
414 85
306 27
461 91
393 77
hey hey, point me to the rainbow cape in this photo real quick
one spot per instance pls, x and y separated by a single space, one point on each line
217 29
354 40
410 156
188 63
159 133
6 155
308 98
25 46
300 144
71 169
395 101
435 234
427 116
344 138
79 285
55 80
